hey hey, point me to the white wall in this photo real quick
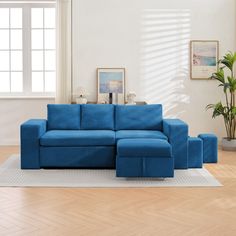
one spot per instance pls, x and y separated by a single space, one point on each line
16 111
134 34
150 38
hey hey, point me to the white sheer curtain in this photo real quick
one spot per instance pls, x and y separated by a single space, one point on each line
64 47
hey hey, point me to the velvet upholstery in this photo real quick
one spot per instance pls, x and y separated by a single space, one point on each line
210 148
97 117
144 158
71 130
63 117
145 167
143 148
132 117
177 133
195 152
78 157
127 134
30 133
73 138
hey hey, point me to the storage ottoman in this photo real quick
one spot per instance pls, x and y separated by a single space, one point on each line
144 158
210 151
195 152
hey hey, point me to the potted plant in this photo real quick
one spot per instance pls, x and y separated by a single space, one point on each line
225 75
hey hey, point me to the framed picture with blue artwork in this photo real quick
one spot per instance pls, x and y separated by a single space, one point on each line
204 56
111 83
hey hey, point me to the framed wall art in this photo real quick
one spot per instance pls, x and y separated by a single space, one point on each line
204 56
111 82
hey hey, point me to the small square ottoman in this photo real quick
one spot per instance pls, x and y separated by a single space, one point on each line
210 148
144 158
195 152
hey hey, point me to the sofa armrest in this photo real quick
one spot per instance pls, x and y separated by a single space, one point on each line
30 133
177 132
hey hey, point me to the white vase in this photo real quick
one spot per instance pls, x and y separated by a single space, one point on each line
81 100
228 145
130 98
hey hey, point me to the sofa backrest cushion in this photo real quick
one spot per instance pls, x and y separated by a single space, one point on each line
63 116
97 117
138 117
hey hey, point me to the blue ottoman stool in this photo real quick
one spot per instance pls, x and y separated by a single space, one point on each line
144 158
195 152
210 148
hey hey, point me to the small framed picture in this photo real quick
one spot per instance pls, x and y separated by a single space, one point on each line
111 83
204 56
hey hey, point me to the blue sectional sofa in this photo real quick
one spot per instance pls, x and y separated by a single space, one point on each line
86 136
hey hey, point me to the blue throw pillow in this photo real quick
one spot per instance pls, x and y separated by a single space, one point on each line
63 117
97 117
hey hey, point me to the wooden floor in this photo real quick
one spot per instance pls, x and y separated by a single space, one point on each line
141 211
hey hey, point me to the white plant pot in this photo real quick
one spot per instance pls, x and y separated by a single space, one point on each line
228 145
81 100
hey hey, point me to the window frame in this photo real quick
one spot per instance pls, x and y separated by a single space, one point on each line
26 51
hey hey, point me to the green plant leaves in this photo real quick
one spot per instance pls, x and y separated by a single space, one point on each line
232 84
228 83
234 111
226 86
218 109
228 60
219 75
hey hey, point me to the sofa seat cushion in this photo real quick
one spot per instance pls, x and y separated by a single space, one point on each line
156 148
75 138
132 134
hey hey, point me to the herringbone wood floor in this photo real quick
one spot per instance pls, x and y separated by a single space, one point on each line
147 211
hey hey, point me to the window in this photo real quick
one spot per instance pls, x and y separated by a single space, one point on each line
27 49
11 57
43 49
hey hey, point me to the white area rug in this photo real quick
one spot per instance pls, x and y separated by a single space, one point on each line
12 176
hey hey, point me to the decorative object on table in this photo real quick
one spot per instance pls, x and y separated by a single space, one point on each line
225 75
111 80
81 97
81 100
110 98
102 102
130 98
204 55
